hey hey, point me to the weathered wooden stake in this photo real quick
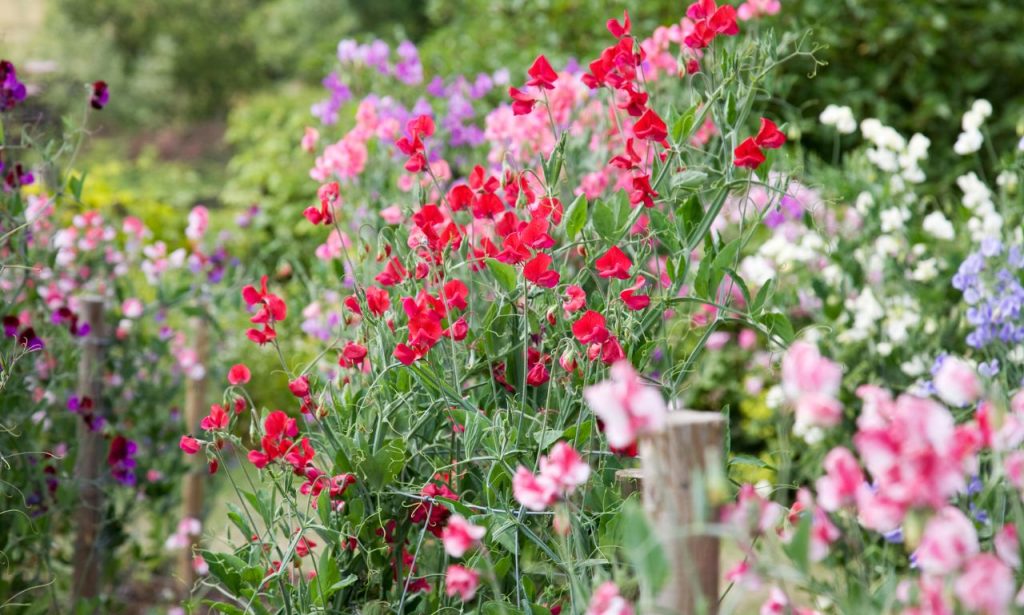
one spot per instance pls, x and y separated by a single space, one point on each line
88 557
195 408
674 466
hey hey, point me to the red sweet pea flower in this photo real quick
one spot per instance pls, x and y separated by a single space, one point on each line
537 375
394 273
300 456
412 146
432 512
615 67
328 195
458 330
538 271
617 29
377 300
189 444
272 309
522 103
278 428
575 299
408 355
632 300
710 20
748 154
542 75
630 160
216 420
454 294
769 136
636 101
642 191
300 386
614 264
650 127
352 355
239 374
590 328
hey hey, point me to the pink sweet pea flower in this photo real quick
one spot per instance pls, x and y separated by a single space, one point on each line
534 492
986 585
1008 545
189 444
804 370
949 540
564 467
460 535
462 581
626 405
607 601
957 383
843 478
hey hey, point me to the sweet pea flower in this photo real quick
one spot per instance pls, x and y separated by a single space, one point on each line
462 581
957 383
607 601
949 540
239 374
534 492
804 370
627 406
842 480
986 585
460 535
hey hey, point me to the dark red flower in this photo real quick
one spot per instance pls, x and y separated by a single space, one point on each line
432 512
352 355
100 95
642 191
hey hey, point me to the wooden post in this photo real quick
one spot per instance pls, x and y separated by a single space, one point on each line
629 481
195 409
674 495
87 559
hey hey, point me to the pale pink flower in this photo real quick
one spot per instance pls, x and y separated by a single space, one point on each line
877 512
309 139
804 371
818 410
957 383
986 585
132 308
392 214
564 467
1008 545
460 535
843 477
751 515
776 604
607 601
533 492
198 221
462 581
200 566
1014 467
948 541
747 339
752 9
628 407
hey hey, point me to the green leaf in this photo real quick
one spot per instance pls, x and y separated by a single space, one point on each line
386 464
643 547
727 255
689 179
605 221
747 460
684 124
761 297
226 568
223 607
576 217
778 324
503 273
799 547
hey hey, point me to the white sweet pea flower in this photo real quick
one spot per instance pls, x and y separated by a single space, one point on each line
968 142
938 226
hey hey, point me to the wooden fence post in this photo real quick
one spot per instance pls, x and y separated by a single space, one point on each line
88 557
195 408
674 466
